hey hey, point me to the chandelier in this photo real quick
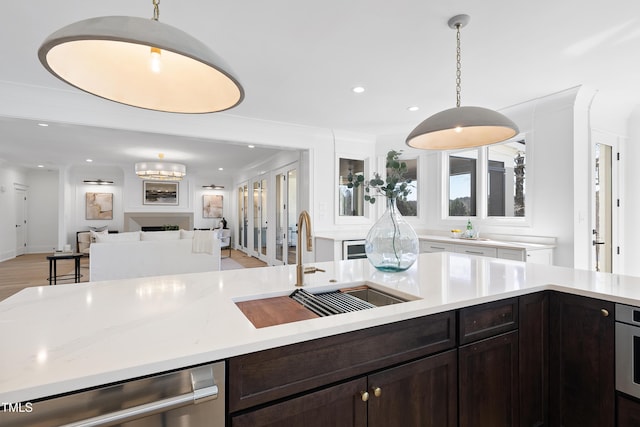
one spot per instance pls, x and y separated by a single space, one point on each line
161 171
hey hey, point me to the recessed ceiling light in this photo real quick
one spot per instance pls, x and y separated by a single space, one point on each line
40 166
251 146
44 125
220 169
358 89
413 108
89 160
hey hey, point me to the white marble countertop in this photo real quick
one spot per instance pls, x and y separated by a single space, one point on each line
57 339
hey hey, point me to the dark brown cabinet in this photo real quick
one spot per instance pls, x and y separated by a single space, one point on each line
421 393
628 411
543 359
581 361
533 355
399 374
488 382
340 406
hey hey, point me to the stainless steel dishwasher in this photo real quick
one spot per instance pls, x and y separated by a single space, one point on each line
192 397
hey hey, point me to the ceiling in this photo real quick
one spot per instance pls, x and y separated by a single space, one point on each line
298 62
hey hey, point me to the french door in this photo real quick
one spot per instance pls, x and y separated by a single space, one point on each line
260 219
243 217
286 197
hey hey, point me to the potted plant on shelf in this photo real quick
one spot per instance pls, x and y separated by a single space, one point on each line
391 244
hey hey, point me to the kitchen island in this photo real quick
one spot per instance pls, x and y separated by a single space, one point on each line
77 336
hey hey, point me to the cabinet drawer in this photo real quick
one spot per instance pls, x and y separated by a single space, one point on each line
272 374
476 250
514 254
427 246
486 320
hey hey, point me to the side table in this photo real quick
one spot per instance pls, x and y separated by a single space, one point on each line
53 271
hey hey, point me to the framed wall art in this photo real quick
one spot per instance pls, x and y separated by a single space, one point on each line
212 206
160 193
99 205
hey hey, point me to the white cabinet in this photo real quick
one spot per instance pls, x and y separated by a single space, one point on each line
540 256
429 246
490 249
513 254
476 250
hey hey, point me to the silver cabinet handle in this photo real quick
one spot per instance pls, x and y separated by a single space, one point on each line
474 252
147 409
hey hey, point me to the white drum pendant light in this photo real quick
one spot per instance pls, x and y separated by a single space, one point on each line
461 127
141 62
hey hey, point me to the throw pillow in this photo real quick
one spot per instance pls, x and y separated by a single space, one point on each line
95 234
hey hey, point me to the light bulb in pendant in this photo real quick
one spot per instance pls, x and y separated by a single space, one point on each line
155 59
458 129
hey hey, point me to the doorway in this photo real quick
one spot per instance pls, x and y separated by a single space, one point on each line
21 220
604 242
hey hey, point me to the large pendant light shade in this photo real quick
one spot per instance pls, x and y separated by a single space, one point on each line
141 62
461 127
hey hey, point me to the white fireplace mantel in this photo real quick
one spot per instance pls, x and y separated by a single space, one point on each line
134 221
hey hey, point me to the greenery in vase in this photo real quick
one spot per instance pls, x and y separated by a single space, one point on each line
395 187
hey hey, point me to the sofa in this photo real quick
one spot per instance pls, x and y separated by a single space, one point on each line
153 253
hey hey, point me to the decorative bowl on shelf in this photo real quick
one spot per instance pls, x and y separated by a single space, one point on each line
456 234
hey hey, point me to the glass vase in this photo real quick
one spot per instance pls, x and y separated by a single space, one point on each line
392 244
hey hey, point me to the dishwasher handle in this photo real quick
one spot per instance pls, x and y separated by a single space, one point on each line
204 389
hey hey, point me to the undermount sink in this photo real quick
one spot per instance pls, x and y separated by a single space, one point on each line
303 303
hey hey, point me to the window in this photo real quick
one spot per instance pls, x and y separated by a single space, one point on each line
462 183
409 207
505 179
350 200
488 182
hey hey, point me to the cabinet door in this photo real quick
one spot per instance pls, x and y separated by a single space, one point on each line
340 406
421 393
540 256
628 412
488 382
427 246
476 250
513 254
581 361
533 354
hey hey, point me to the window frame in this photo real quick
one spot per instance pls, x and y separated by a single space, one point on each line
366 218
482 170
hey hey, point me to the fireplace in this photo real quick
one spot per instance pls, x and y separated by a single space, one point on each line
135 221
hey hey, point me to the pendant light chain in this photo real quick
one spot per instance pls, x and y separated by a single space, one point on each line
458 67
156 10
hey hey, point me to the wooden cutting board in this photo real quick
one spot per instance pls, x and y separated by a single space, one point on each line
274 311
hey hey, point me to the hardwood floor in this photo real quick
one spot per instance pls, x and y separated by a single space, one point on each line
33 270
